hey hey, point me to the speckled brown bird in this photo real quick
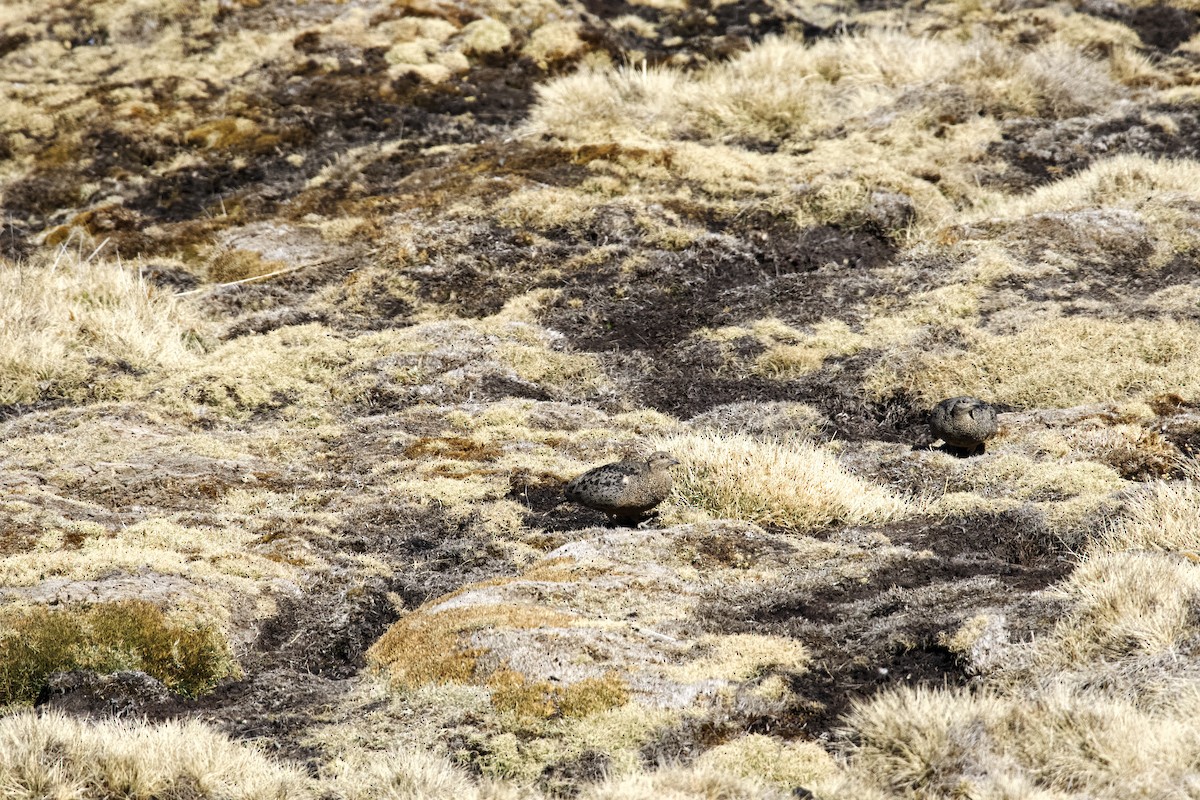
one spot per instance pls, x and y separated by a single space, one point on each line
625 490
964 422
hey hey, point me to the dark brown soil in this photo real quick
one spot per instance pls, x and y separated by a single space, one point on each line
1039 151
883 631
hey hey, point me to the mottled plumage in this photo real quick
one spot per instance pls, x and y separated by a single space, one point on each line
964 422
625 490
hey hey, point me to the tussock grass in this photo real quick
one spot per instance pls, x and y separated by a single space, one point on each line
515 693
739 657
1125 605
1165 516
410 774
1129 180
430 646
304 367
79 328
1013 475
683 783
405 774
785 90
222 559
187 657
948 743
1057 362
850 120
50 755
789 484
1154 198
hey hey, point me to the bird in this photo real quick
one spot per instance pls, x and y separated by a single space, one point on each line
625 490
964 422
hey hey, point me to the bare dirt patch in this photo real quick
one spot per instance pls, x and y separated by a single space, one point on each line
884 630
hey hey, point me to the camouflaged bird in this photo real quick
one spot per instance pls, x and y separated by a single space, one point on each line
964 422
625 490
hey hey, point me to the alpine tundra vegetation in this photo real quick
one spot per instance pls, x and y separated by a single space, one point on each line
309 313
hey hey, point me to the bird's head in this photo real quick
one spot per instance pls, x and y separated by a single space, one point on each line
661 460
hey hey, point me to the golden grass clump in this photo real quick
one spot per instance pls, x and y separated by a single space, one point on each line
429 646
1014 475
792 485
1156 199
187 657
410 774
1129 180
684 783
740 657
515 693
1055 743
792 353
1124 605
1163 516
51 755
1058 363
220 558
65 322
783 90
782 764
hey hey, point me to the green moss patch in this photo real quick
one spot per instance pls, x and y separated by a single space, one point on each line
130 634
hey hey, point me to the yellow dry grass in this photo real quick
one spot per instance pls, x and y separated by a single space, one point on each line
793 485
68 322
784 765
430 646
51 755
1163 516
1124 605
740 657
1054 362
1054 743
785 90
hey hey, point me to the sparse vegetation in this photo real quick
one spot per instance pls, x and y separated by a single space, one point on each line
308 311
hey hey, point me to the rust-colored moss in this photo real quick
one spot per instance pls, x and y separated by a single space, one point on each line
236 265
514 692
428 647
451 447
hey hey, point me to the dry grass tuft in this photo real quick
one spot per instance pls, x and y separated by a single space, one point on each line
82 328
1057 743
517 694
50 755
684 783
786 91
782 764
1057 362
740 657
789 484
1132 181
1165 516
1125 605
410 774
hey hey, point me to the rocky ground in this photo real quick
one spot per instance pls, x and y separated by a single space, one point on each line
310 310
